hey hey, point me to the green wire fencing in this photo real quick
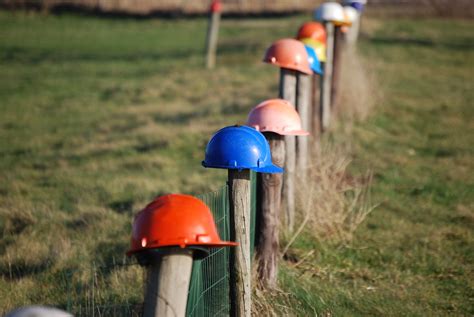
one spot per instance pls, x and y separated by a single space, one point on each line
210 280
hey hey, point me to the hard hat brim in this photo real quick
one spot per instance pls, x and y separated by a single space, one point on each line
271 169
219 244
295 132
318 70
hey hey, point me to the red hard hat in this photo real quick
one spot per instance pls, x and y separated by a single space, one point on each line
289 54
216 6
312 30
175 220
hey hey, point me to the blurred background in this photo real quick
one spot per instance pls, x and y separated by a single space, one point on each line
444 8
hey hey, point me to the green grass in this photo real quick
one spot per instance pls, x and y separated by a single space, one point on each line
100 115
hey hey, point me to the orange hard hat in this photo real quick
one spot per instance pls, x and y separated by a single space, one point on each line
276 115
175 220
289 54
312 30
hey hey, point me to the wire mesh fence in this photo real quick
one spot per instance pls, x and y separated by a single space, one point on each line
117 289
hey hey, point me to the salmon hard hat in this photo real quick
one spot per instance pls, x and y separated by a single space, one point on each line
288 54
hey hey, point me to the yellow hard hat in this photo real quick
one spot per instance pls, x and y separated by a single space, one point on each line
318 47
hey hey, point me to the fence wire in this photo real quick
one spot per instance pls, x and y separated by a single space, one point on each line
210 281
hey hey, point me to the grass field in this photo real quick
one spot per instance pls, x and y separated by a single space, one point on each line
97 116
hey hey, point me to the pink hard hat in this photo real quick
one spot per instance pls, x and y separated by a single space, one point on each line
276 115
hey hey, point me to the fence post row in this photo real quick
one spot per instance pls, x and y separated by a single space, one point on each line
240 149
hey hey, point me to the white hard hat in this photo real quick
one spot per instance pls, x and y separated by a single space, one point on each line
38 311
351 14
329 12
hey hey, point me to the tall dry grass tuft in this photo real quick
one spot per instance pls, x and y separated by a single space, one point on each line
271 303
359 92
334 203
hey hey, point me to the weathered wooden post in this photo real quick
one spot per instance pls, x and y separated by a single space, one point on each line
287 91
329 13
275 118
358 5
290 55
212 33
239 149
167 283
240 273
303 105
351 31
313 34
336 71
326 79
164 235
303 94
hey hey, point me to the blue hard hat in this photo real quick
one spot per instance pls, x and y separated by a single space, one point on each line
358 6
313 60
240 147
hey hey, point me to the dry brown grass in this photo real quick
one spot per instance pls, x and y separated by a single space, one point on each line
359 93
334 203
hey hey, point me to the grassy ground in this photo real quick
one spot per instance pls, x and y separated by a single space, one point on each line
99 116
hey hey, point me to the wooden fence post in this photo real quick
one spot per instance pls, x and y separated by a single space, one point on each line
316 111
267 252
288 92
303 94
240 271
336 71
167 284
212 33
327 77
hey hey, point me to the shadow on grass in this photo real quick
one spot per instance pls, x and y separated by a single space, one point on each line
36 56
181 118
424 42
15 271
